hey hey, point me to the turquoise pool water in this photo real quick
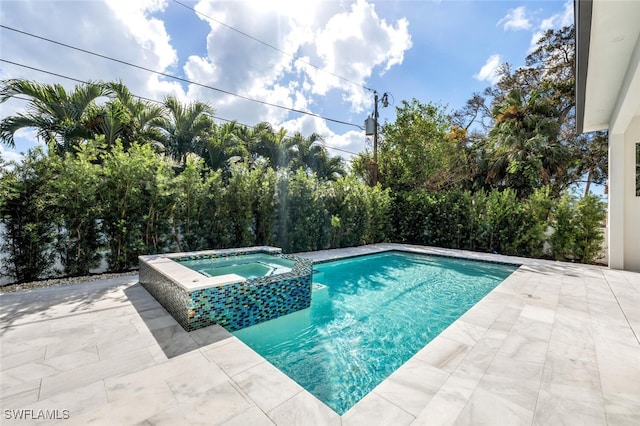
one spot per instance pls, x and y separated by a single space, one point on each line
247 265
368 316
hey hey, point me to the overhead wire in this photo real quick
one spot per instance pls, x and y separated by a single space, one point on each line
184 80
149 100
292 55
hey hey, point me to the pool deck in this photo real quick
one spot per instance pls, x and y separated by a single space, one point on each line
555 343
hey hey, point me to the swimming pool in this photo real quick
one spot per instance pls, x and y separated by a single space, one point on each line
368 316
247 266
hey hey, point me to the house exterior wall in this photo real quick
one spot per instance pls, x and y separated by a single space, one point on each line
624 205
615 217
631 201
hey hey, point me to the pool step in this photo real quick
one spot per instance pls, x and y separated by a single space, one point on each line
318 286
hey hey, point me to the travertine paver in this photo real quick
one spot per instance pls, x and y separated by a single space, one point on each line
555 343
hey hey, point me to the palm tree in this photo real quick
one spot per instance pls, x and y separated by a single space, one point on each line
331 168
272 145
58 116
184 127
141 116
224 143
310 154
525 143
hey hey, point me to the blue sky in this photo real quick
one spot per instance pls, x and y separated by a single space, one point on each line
435 51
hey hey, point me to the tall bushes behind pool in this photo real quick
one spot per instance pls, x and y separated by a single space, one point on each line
128 203
500 222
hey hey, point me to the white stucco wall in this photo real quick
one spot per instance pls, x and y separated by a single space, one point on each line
615 216
624 205
631 201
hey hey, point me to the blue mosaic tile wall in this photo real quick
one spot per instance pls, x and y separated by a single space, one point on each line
234 305
239 305
171 296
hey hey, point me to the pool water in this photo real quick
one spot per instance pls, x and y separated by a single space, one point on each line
368 316
247 266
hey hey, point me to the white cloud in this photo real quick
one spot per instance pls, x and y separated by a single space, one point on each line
347 143
148 32
489 71
516 19
10 155
350 43
558 20
535 37
124 30
307 125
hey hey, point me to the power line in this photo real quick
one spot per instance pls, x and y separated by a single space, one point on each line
149 100
184 80
291 55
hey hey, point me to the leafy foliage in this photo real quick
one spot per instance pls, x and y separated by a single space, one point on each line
416 151
74 190
28 218
135 194
577 223
57 115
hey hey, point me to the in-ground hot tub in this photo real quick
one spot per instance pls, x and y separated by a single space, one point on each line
249 266
235 288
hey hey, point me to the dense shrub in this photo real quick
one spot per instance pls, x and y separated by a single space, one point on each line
196 194
27 214
136 194
500 222
127 203
577 234
303 219
74 190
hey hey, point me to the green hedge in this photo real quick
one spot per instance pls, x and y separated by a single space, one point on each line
500 222
133 202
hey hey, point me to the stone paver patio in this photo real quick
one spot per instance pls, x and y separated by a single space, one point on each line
555 343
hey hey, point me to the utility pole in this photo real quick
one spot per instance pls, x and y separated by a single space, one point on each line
371 128
374 172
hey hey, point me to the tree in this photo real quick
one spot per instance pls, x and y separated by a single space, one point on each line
592 149
126 118
330 168
308 153
184 127
416 152
136 195
223 144
524 146
548 78
577 228
274 146
58 116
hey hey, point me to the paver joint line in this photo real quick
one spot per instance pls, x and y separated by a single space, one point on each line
604 276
